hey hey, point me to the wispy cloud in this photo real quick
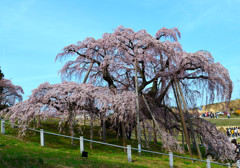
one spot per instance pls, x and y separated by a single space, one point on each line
226 46
201 19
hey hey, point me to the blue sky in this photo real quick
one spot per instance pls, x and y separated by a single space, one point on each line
33 32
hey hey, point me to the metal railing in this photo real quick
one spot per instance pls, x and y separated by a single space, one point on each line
129 149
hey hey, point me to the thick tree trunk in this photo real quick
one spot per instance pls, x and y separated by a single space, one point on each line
129 134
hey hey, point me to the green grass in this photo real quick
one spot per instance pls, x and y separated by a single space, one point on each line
224 122
59 153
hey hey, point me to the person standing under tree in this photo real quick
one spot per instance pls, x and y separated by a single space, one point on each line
236 132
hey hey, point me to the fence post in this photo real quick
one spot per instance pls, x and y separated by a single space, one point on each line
229 165
2 126
42 137
208 163
171 159
81 144
139 149
129 153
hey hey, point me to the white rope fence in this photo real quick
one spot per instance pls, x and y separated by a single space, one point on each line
129 148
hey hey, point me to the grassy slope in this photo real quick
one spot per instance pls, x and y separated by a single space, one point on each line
225 122
59 153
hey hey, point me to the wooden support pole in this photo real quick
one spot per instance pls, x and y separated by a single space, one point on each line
88 72
183 120
190 122
177 102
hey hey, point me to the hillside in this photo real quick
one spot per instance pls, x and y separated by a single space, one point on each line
233 106
58 153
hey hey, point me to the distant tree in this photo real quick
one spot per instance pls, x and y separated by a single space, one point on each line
1 77
1 74
9 93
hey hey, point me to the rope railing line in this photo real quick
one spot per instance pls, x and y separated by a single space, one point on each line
12 124
151 151
142 150
33 130
202 160
222 164
21 126
104 143
66 136
183 157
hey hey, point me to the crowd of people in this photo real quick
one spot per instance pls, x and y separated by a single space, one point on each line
233 132
210 114
214 115
237 148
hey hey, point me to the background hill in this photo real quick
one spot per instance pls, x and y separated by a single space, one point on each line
233 106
